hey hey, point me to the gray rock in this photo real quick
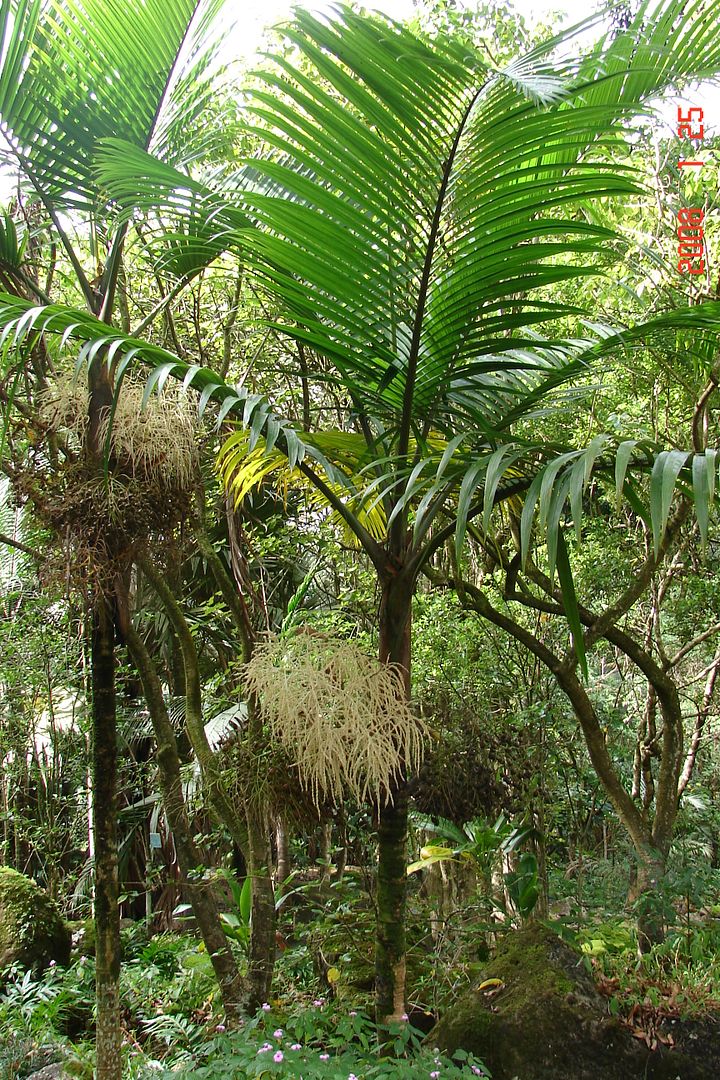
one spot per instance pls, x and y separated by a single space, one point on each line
50 1072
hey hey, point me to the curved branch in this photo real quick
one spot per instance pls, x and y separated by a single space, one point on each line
699 728
372 548
473 598
9 542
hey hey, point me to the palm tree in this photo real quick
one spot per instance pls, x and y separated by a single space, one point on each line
73 73
409 208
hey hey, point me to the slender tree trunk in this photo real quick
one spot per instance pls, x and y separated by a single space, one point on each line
262 933
648 896
210 765
107 916
326 847
651 841
262 938
390 947
342 847
190 858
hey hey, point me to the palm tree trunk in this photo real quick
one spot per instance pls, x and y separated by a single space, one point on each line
107 916
261 963
282 842
395 645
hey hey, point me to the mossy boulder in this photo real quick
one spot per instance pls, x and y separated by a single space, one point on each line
32 931
82 935
535 1014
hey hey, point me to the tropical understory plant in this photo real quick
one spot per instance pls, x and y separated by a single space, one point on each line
487 848
409 208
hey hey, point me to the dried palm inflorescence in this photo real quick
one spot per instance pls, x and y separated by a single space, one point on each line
152 465
154 442
341 716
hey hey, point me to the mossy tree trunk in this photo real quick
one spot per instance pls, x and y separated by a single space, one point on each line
250 829
107 915
104 760
261 964
208 761
390 945
263 918
648 897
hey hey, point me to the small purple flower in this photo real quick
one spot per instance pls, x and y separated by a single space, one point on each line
278 1056
53 963
296 1046
404 1017
352 1076
318 1002
352 1013
434 1075
265 1007
220 1028
478 1072
324 1057
264 1048
278 1034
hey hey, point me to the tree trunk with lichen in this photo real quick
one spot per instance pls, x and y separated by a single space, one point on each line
647 896
259 855
210 765
108 1039
107 915
251 833
261 960
390 946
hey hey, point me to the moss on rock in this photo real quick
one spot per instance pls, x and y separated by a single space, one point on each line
535 1014
32 931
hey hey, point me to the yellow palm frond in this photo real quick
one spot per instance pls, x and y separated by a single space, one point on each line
245 469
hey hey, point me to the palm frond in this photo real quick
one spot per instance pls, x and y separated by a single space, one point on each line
74 73
417 208
21 321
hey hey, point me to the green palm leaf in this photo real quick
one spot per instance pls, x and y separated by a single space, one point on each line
74 73
22 321
412 204
419 205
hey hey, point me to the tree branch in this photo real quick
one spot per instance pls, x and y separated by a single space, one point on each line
9 542
473 598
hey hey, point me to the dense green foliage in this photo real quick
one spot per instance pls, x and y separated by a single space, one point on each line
443 397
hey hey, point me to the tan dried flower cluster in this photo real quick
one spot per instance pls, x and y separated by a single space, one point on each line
155 442
340 715
100 516
64 406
